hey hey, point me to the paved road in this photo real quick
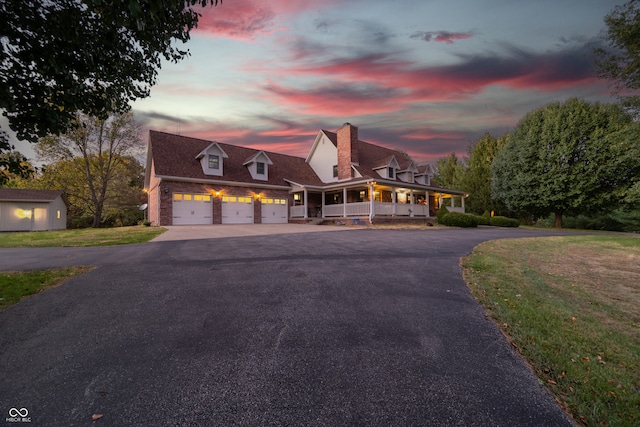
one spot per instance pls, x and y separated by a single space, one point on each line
358 327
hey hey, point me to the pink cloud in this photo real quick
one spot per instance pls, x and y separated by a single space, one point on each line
336 100
411 82
440 36
246 19
241 19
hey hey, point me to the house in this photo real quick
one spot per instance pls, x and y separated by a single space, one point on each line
193 181
32 210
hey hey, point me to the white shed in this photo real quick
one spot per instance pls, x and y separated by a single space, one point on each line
32 210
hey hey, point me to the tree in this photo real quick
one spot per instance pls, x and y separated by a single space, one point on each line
476 178
621 61
62 57
123 194
95 149
14 165
449 171
574 157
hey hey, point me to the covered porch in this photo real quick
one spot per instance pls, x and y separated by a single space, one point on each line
371 200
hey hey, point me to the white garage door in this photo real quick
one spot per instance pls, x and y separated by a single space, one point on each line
274 211
237 210
192 209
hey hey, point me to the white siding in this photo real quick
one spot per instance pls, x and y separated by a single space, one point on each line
324 157
33 216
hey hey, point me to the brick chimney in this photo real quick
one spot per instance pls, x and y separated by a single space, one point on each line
347 150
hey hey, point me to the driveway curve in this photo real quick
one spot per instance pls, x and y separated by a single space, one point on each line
359 327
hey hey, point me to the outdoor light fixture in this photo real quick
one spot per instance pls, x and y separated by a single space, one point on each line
166 190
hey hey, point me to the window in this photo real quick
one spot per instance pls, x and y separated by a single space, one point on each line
214 161
260 168
335 171
58 214
391 172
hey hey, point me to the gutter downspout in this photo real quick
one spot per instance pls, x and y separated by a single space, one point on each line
158 202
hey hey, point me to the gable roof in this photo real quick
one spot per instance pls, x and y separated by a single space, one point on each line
206 149
175 156
254 158
371 156
28 195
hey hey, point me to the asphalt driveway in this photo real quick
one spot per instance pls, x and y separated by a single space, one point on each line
322 328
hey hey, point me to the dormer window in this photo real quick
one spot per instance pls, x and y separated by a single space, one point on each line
258 166
211 159
214 161
391 172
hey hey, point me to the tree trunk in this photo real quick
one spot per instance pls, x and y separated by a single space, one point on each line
557 219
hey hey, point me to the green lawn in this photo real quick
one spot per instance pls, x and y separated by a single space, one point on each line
80 237
15 285
570 306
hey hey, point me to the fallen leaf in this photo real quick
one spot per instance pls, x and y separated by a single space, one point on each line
552 382
95 417
586 359
573 319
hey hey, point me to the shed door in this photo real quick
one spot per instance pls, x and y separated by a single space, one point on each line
237 210
274 211
192 209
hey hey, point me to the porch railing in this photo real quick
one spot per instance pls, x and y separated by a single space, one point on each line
359 208
363 209
383 208
296 211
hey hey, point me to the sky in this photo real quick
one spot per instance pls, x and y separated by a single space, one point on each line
428 77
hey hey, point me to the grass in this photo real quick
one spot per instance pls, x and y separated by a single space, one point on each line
570 306
14 286
81 237
17 285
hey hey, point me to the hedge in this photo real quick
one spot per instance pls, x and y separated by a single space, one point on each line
441 213
503 221
483 220
457 219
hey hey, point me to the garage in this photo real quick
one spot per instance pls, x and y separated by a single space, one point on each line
274 211
237 210
192 209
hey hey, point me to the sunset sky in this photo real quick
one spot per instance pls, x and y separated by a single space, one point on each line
425 76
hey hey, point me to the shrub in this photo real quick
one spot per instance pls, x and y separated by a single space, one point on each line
503 221
486 214
457 219
483 220
441 213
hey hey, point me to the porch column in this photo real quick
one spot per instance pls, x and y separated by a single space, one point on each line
462 198
394 200
413 207
440 200
322 203
306 205
426 203
371 203
344 202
